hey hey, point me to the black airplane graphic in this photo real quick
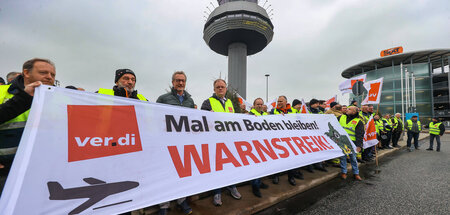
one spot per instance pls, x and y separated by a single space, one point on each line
96 191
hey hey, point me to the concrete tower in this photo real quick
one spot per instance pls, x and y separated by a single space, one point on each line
238 28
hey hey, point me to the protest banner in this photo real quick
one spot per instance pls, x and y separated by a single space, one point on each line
84 153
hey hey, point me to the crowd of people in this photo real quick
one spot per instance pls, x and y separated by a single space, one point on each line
17 93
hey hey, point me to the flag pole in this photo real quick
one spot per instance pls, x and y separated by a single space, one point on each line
376 151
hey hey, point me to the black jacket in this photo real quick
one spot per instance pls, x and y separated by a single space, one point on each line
314 110
359 130
120 91
171 98
18 104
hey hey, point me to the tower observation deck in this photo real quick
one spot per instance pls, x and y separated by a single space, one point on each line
238 28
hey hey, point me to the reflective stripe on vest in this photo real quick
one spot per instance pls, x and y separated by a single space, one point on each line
379 126
349 127
11 131
19 121
387 121
111 92
410 123
257 113
434 128
216 105
396 122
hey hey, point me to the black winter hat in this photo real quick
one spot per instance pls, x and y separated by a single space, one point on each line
296 102
313 101
121 72
332 104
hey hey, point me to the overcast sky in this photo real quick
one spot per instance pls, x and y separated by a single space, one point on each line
314 41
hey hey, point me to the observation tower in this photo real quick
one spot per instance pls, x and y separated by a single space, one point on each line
238 28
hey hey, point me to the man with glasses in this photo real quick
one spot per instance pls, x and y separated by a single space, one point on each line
180 97
219 103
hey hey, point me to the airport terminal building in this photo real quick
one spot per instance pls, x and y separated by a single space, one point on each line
425 86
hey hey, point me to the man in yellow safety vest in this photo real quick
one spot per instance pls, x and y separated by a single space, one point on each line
354 127
219 103
437 129
397 129
34 72
125 81
258 111
284 108
413 126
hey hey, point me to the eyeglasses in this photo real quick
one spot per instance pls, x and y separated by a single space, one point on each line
220 87
180 80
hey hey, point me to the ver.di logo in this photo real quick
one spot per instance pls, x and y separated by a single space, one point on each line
96 131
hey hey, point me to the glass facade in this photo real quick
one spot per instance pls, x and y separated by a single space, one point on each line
391 97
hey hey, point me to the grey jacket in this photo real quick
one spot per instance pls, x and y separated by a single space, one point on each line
171 98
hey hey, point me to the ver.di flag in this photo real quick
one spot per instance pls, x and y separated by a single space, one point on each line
248 106
373 91
370 135
304 108
347 85
87 153
329 101
271 105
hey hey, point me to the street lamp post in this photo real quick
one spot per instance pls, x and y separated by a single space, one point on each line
267 87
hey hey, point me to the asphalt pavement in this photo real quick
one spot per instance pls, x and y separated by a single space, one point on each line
415 182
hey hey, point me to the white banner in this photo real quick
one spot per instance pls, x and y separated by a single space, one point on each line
374 89
87 153
347 85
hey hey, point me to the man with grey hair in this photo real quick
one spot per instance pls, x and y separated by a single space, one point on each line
397 131
177 96
10 76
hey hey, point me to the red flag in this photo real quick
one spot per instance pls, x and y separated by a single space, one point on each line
329 101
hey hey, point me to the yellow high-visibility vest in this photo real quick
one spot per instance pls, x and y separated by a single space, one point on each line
434 128
410 123
10 130
256 113
111 92
275 111
349 127
216 105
